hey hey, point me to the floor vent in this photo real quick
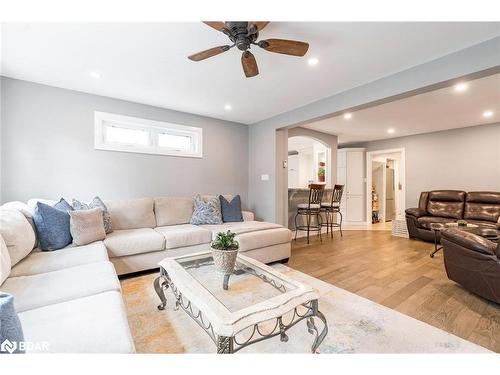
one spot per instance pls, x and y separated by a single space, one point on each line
399 228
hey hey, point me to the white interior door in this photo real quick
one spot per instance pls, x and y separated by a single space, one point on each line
355 173
355 208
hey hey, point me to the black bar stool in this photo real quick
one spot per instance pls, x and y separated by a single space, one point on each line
310 209
333 207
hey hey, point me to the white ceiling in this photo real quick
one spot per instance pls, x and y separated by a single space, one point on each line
147 62
428 112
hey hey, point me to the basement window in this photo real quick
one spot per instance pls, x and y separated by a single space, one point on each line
131 134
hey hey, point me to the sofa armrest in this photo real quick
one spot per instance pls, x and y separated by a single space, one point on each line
248 216
415 212
470 241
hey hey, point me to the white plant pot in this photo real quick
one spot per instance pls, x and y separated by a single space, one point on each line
224 260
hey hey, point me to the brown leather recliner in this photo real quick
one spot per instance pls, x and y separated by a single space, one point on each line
473 262
444 206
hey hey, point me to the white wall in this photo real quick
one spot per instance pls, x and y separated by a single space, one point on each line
47 150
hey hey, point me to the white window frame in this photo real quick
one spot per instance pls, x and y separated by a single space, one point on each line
154 128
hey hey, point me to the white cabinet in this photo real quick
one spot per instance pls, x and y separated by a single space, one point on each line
351 173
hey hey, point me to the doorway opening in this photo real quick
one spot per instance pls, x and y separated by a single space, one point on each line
386 187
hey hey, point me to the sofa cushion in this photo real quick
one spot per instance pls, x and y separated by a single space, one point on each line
49 261
132 213
263 238
206 211
173 210
424 221
5 264
133 241
446 203
17 234
96 203
87 226
25 210
184 235
31 292
231 209
482 205
92 324
241 227
53 225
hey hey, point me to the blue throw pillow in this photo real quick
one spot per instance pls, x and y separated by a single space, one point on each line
231 211
11 332
52 225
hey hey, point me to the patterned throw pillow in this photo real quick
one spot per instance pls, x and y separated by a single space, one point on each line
96 202
231 211
86 226
206 212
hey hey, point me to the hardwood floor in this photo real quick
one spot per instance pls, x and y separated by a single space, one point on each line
398 273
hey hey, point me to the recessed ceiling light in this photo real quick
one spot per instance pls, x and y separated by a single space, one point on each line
95 75
228 107
461 87
487 114
348 116
391 131
313 61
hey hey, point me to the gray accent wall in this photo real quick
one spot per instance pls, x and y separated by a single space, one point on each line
47 150
262 143
460 159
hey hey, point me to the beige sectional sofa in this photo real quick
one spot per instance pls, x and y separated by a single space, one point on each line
71 298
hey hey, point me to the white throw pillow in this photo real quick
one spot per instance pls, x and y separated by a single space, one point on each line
4 261
17 234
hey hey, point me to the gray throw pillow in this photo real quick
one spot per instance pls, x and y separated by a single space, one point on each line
231 211
206 212
96 202
86 226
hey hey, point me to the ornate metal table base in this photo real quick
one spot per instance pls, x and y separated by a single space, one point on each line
231 344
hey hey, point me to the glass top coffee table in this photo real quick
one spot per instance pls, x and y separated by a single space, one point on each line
489 233
260 303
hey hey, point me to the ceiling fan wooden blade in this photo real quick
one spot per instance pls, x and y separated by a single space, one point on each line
260 24
208 53
217 25
284 46
249 64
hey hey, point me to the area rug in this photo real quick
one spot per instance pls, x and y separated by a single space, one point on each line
356 325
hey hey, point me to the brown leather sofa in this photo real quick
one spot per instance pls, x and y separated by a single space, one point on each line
444 206
473 262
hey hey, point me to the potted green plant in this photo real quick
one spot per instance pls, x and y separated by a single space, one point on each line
321 174
224 252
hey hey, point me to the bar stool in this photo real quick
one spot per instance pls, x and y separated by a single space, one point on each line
310 209
333 207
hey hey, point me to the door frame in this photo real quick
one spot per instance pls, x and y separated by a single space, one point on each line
402 178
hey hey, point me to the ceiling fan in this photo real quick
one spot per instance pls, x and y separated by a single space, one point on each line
245 34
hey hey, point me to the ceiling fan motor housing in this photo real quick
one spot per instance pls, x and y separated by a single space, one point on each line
241 35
